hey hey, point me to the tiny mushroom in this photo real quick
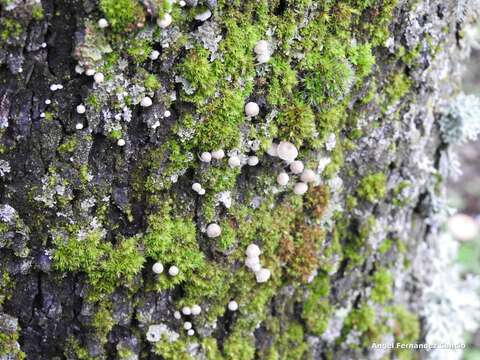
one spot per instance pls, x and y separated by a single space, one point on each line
173 270
196 187
81 109
121 142
79 126
232 305
187 325
252 250
186 310
205 157
157 268
191 332
196 309
262 275
102 23
146 102
98 77
252 109
287 151
252 160
154 55
300 188
282 179
213 230
234 161
165 21
296 167
307 176
218 154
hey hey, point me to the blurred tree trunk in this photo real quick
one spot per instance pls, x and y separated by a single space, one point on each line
356 86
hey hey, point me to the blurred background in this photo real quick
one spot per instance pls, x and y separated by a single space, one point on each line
464 195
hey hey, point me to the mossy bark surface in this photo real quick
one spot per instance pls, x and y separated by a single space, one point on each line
356 85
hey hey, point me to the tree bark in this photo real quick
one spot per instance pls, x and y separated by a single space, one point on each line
91 200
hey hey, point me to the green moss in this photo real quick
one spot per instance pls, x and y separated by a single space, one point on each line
238 347
8 345
9 29
362 58
296 123
382 286
139 50
406 330
73 350
102 322
6 287
122 15
372 187
171 350
106 266
68 146
151 82
396 88
172 240
37 12
316 309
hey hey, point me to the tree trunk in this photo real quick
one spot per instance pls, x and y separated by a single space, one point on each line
96 179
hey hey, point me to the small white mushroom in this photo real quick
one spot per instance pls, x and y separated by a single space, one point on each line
196 187
44 45
234 161
48 102
153 333
287 151
81 109
300 188
191 332
79 69
307 176
201 191
232 305
42 115
272 150
79 126
252 262
252 109
196 309
187 325
102 23
157 268
296 167
53 87
167 113
263 58
205 157
186 310
146 102
177 315
154 55
165 21
182 3
173 270
252 251
121 142
282 179
90 72
252 160
213 230
218 154
204 15
262 275
261 47
98 77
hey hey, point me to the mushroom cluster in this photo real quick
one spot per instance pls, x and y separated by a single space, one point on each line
252 261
